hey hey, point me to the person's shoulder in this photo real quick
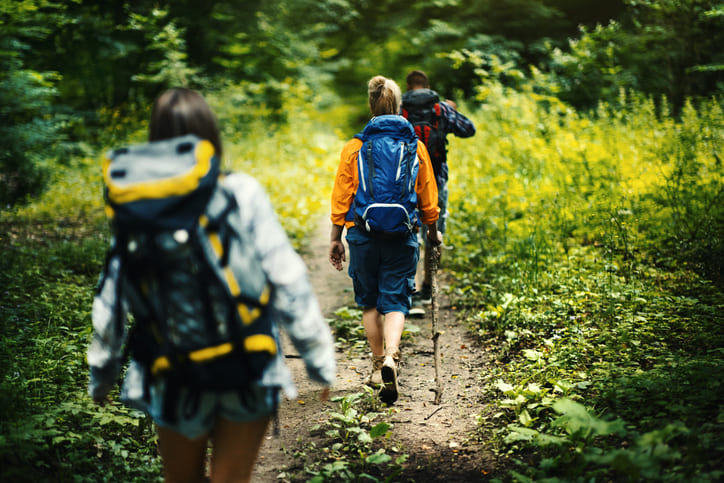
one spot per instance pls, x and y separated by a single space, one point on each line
352 145
239 179
422 150
245 187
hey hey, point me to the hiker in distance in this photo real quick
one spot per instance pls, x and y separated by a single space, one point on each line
384 185
179 299
433 121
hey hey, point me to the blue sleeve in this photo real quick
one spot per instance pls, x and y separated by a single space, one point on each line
456 123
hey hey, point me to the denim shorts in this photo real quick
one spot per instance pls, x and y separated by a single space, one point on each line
198 413
383 270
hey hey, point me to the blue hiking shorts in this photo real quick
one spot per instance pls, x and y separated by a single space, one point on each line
383 270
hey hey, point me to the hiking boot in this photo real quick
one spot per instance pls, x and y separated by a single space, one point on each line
375 379
390 390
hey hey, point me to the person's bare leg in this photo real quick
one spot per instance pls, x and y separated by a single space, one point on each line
372 321
394 324
183 458
236 448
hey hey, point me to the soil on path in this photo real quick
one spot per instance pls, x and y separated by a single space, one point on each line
441 440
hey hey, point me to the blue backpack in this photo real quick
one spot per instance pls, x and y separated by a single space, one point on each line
386 202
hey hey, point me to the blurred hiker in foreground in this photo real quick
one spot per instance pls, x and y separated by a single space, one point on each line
202 264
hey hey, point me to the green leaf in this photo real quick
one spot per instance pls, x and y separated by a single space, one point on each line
503 386
524 418
379 457
364 437
380 429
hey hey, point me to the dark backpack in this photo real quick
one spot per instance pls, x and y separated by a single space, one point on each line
385 203
422 108
193 284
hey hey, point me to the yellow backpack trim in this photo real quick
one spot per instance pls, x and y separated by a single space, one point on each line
181 184
254 343
161 364
247 316
260 343
211 352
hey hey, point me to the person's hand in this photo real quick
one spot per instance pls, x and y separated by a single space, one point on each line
451 103
336 254
434 237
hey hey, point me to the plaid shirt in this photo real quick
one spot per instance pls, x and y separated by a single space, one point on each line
455 123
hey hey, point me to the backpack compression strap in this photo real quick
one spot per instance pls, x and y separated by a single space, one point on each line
247 314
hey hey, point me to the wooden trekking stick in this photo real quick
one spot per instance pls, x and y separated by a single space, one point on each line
434 265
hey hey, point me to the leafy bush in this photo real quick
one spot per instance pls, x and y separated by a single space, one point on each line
660 47
29 132
576 239
353 445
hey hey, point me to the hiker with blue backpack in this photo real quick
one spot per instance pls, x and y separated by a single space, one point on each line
208 274
433 119
383 191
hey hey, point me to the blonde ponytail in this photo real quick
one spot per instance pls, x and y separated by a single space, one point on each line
384 96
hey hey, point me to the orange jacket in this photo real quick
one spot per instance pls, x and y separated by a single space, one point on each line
346 181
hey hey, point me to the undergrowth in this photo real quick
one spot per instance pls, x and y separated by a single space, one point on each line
351 445
588 254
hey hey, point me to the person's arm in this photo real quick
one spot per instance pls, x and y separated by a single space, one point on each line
345 185
294 304
426 189
455 122
109 330
345 182
336 247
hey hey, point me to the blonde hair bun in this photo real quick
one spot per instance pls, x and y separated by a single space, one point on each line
384 96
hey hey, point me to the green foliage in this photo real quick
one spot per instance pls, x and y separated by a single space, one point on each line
51 429
575 255
663 48
351 436
581 437
588 246
80 69
294 161
170 67
29 132
348 329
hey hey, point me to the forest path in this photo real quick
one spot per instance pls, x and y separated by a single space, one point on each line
439 439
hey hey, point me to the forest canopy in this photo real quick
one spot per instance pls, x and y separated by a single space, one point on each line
70 70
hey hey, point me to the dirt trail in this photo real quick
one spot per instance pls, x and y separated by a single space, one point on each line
437 438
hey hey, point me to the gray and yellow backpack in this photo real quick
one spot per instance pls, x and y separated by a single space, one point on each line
196 290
